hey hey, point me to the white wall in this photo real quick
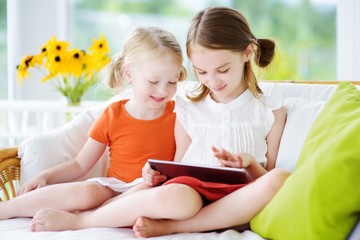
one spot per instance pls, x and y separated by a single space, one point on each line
30 23
348 40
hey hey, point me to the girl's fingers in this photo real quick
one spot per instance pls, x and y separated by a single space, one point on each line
214 149
228 156
223 154
154 178
235 162
219 155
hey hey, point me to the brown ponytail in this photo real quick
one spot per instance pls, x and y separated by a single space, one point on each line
264 52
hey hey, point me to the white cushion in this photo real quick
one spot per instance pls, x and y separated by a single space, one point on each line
301 113
48 149
315 92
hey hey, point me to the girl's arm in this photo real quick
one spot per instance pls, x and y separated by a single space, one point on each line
274 137
255 170
182 140
70 170
247 161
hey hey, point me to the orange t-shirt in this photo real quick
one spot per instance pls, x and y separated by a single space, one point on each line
132 141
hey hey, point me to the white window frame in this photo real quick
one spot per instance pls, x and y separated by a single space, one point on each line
348 39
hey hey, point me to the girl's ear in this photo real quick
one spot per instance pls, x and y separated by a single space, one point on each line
249 51
126 73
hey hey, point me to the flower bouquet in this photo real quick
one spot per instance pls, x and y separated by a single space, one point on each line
72 71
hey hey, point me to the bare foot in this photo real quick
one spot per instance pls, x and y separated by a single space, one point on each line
54 220
145 227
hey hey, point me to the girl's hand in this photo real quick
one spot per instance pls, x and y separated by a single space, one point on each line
152 177
32 184
228 159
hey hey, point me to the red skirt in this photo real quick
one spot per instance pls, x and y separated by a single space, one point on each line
209 191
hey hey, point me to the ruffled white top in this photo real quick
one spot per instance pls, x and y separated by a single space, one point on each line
241 125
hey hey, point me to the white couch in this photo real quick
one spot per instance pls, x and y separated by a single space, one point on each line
303 101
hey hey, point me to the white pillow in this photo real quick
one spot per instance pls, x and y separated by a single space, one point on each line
48 149
301 113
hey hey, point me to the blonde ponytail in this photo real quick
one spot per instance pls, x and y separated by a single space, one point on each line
113 73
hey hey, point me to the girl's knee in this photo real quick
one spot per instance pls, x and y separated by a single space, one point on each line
280 175
276 178
92 193
182 200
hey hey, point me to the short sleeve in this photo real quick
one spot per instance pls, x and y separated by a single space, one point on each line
180 110
273 99
100 129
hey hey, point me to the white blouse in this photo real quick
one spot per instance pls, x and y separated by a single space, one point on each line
239 126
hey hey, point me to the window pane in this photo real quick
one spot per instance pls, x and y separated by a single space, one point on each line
304 30
3 51
305 33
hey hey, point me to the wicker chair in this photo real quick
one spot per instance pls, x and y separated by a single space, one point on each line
9 173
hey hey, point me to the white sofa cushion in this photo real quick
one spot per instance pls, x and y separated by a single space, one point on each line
48 149
301 113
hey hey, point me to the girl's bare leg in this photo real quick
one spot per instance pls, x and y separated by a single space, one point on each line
232 210
61 216
67 197
175 201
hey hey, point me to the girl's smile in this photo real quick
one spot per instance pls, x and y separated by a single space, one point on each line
158 100
220 88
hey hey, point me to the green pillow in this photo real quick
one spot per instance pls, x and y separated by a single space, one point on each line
321 199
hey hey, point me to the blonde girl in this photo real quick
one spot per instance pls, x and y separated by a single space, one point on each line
134 130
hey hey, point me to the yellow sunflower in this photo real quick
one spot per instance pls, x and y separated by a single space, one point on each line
99 46
76 61
56 63
22 69
54 46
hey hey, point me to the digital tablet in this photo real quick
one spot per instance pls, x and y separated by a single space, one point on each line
205 173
